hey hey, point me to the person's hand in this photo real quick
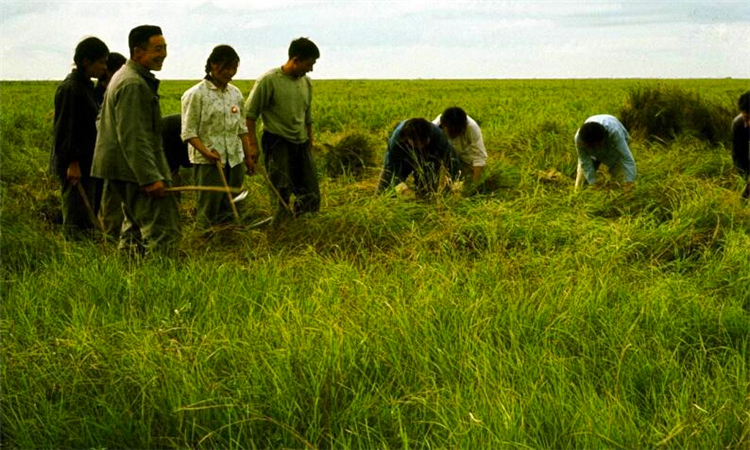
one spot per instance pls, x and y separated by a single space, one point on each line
453 185
155 189
74 173
252 152
250 166
212 156
402 188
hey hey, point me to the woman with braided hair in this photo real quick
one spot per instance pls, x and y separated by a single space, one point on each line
214 127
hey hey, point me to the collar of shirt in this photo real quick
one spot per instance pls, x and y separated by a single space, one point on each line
210 84
145 73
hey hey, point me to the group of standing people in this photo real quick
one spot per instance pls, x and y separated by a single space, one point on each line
118 138
109 141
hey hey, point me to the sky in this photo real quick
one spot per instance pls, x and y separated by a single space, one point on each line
398 39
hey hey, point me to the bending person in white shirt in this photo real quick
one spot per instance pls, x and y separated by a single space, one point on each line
466 138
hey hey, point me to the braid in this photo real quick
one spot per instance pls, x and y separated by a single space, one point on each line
208 69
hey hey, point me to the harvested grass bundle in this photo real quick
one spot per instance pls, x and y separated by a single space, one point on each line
351 154
661 113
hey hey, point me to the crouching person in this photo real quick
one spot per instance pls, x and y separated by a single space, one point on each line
129 154
418 147
466 138
602 139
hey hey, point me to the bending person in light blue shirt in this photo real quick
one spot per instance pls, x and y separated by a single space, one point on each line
602 139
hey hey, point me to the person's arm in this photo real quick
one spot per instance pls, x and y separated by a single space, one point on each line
626 157
389 174
447 154
584 160
65 130
251 154
477 151
192 109
477 173
211 155
308 116
135 131
256 101
251 137
394 171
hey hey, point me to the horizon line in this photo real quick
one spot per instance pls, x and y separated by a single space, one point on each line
439 79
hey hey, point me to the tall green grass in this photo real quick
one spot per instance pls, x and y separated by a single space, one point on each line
522 316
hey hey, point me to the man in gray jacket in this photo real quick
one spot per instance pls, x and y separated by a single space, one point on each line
129 155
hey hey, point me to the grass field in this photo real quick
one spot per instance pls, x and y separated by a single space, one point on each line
526 316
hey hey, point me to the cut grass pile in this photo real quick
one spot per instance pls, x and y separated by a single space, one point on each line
663 113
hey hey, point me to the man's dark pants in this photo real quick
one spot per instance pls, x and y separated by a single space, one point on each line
291 170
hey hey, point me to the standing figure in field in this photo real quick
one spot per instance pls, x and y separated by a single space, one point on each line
114 62
74 136
129 155
741 141
603 139
214 128
282 98
418 147
466 138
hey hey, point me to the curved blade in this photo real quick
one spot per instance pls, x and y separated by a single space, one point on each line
241 196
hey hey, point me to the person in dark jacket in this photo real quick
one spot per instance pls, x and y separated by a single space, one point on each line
74 136
418 147
741 141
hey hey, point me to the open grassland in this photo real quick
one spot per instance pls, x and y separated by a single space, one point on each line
526 316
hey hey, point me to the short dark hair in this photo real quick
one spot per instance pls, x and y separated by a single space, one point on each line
115 61
91 48
303 49
414 130
221 55
743 103
455 119
592 132
140 35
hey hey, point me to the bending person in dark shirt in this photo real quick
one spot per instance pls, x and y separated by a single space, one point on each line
418 147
